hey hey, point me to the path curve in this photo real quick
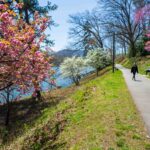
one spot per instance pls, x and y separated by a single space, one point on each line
140 91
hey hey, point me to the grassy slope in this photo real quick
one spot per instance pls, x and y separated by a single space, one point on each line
98 115
142 62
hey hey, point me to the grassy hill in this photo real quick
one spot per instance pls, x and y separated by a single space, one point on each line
98 115
142 62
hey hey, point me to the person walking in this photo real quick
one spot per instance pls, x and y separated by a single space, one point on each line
134 70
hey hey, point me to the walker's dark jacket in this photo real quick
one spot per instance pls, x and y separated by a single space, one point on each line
134 69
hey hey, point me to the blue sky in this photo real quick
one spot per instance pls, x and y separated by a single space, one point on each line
61 16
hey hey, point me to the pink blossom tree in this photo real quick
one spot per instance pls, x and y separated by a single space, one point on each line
143 15
22 63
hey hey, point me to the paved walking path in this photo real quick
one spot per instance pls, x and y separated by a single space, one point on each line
140 91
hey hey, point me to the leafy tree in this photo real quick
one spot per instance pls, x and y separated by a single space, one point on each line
119 18
98 59
29 7
27 11
141 46
143 16
22 64
73 68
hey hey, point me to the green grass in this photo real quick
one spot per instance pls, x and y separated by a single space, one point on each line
104 117
98 115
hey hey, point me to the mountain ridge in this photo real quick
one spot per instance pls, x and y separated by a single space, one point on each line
69 53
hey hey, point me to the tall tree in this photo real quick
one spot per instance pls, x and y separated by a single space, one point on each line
142 15
22 64
27 12
98 59
86 31
31 6
119 18
73 68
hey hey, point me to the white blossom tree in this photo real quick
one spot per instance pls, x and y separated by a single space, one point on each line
73 68
98 59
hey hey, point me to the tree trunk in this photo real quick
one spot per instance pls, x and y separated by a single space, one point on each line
122 53
38 95
26 16
20 14
7 115
133 51
97 70
8 110
20 10
125 51
124 46
77 83
76 80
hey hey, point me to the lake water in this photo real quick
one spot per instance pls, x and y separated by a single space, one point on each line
60 81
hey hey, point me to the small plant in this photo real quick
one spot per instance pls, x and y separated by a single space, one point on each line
121 143
36 146
147 146
119 133
136 136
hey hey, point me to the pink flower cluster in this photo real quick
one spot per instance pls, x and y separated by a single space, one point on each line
147 45
22 63
143 15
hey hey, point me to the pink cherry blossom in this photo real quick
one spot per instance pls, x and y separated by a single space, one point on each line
22 63
142 15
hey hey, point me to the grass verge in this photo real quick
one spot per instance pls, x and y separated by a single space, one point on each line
98 115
